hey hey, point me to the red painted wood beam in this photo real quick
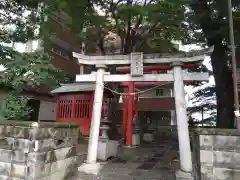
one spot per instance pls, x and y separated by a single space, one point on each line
130 115
156 68
149 83
142 83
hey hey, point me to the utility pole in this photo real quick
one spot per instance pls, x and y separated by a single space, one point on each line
234 66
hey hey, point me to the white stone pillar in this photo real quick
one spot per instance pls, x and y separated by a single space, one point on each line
96 116
182 120
173 118
81 69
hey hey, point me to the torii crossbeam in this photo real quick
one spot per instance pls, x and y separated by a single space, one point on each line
145 78
136 62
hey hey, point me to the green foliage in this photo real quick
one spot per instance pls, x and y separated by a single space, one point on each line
23 71
204 105
147 26
20 21
15 107
31 69
81 12
211 16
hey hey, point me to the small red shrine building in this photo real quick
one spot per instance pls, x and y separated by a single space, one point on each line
75 103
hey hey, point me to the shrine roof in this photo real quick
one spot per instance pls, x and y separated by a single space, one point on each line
74 87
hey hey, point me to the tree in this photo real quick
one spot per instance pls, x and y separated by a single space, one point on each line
15 107
203 107
208 21
19 23
139 24
31 69
148 26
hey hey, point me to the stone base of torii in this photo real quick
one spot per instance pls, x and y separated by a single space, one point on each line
136 60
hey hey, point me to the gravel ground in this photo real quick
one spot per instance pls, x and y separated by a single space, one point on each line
155 163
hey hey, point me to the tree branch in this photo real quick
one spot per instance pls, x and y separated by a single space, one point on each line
113 7
139 21
146 34
128 42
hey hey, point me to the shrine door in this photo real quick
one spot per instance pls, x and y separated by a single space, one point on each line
76 108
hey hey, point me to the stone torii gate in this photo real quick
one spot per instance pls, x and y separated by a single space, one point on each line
136 62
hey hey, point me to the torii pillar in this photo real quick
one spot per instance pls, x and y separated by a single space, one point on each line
96 116
130 115
182 124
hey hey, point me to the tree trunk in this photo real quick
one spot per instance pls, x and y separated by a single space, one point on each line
222 74
224 87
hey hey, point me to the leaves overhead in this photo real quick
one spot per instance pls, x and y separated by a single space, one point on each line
34 69
147 26
20 21
209 18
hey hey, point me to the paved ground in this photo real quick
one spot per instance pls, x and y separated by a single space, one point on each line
150 162
128 171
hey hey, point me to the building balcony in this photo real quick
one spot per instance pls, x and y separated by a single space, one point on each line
64 37
66 63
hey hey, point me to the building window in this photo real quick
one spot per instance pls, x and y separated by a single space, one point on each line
159 92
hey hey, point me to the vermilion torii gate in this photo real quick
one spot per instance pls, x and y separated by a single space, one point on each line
130 102
136 62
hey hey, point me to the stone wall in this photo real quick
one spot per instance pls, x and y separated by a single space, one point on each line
166 133
216 154
32 151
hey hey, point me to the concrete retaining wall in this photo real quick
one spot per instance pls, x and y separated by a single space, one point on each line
216 154
32 151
